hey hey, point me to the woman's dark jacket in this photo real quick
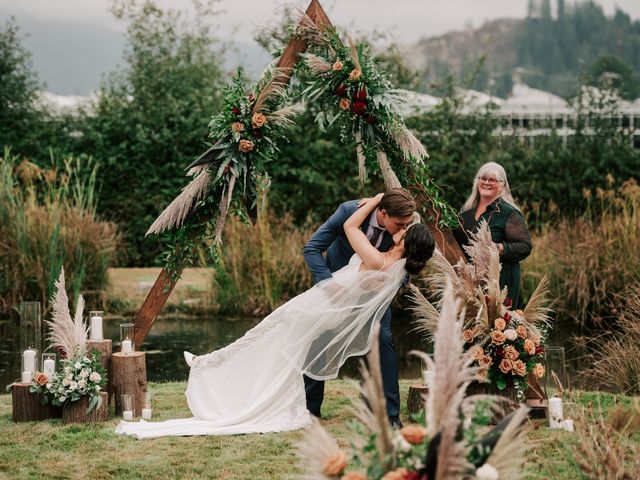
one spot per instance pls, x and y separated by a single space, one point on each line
508 227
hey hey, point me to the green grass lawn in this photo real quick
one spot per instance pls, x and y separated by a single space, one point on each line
51 450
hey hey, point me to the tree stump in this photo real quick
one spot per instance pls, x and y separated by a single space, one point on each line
415 402
76 412
129 377
27 406
105 349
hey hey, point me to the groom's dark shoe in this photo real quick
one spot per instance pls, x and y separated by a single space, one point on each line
395 423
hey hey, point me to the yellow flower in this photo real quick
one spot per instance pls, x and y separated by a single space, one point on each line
337 66
245 146
237 127
258 120
344 104
529 346
520 368
335 464
506 365
538 370
414 434
497 337
355 74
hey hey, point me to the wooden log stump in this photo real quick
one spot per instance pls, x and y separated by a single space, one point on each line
27 406
76 412
105 349
415 401
129 377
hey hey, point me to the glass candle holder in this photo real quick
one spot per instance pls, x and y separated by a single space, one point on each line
95 322
126 338
147 406
555 376
127 407
49 364
30 335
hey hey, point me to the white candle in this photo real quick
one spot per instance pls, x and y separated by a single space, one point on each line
49 367
555 412
29 357
126 346
96 328
568 425
127 415
146 413
27 376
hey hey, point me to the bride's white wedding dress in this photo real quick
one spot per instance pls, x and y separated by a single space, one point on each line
255 384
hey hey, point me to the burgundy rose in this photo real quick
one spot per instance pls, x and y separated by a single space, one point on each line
359 108
370 119
360 95
251 97
487 299
508 302
412 476
507 317
341 91
235 111
500 352
539 349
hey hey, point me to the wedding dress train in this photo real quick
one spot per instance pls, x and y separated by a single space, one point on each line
255 384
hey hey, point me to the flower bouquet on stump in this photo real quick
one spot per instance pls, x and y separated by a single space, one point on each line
452 441
506 345
78 387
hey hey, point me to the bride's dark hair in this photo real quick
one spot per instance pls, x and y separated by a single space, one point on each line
418 247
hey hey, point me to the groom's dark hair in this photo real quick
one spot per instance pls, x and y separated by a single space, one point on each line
398 203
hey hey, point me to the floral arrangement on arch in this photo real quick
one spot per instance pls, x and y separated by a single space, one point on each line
451 441
507 345
81 375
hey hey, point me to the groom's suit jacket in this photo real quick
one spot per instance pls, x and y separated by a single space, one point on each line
330 238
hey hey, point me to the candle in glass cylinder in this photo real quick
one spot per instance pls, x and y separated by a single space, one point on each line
146 413
126 346
127 415
49 367
555 412
29 360
27 376
96 326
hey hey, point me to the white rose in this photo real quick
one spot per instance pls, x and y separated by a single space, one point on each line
97 388
82 383
62 399
95 377
511 334
73 385
84 373
67 369
487 472
69 377
48 386
66 382
77 366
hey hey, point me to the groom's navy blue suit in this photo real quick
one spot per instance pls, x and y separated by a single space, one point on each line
330 238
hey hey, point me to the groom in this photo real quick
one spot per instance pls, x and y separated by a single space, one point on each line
394 213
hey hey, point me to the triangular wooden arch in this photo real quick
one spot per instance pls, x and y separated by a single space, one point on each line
163 286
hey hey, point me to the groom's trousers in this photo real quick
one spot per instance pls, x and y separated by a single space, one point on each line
389 364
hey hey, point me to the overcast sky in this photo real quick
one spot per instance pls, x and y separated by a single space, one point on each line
408 20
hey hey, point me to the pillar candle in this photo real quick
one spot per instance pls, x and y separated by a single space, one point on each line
29 357
555 412
127 415
126 346
146 413
49 367
96 328
27 376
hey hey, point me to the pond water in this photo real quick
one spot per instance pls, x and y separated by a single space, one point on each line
169 337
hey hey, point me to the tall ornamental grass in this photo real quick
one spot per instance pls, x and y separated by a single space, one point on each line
590 259
47 221
262 265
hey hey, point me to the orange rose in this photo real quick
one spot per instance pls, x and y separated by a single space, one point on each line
414 434
344 104
521 331
397 474
337 66
499 323
478 352
510 352
237 127
506 365
520 312
497 337
258 120
538 370
535 338
485 361
41 378
467 335
519 368
482 374
335 464
245 146
355 74
529 346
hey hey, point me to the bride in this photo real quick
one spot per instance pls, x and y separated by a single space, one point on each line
255 384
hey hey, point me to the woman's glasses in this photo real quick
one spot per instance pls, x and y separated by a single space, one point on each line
489 180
